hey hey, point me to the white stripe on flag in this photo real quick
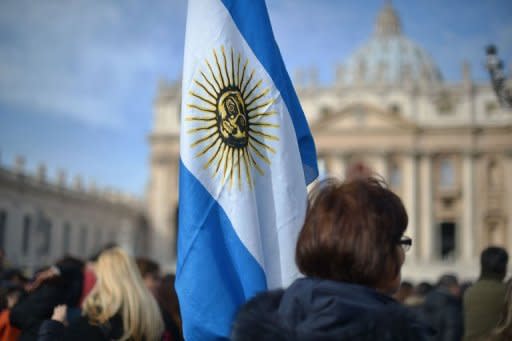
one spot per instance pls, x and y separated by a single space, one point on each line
267 217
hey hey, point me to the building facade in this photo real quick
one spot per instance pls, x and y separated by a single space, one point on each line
445 148
42 219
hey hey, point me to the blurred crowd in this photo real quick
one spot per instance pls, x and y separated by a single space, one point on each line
350 251
110 296
480 311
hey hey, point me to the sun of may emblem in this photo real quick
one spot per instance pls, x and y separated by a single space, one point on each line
231 119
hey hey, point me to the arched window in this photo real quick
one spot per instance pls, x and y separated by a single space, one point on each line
448 240
496 232
394 108
25 239
493 174
322 169
325 111
446 173
99 238
83 240
66 238
3 228
45 231
48 237
112 235
395 175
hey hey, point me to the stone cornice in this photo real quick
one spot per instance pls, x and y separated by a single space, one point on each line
409 152
164 158
22 183
163 137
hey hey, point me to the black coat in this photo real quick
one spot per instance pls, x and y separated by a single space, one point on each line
314 309
172 330
80 330
32 309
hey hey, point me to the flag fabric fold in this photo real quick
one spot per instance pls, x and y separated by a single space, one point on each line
247 155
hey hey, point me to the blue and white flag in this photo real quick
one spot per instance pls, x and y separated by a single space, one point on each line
247 155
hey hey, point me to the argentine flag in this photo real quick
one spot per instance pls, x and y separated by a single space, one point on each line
247 155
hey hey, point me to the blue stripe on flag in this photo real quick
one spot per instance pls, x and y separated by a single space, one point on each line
210 255
251 18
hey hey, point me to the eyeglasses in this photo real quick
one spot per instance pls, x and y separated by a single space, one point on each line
406 243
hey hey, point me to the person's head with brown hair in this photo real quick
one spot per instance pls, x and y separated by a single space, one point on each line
168 300
150 272
353 233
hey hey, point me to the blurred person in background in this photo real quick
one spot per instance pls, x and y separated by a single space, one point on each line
165 294
416 302
503 330
442 309
89 274
118 307
168 300
150 272
483 302
13 277
12 282
351 250
464 286
3 262
419 293
59 284
404 292
89 277
9 297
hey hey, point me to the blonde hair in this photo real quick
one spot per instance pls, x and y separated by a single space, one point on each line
120 290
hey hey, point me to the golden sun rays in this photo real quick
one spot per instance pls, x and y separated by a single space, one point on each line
230 117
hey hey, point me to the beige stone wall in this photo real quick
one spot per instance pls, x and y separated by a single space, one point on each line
361 125
94 219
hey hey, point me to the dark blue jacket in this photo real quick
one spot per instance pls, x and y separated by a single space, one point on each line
443 311
315 309
81 330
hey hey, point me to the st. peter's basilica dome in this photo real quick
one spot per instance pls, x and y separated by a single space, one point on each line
389 58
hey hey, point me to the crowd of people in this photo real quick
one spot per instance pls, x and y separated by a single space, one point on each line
110 297
465 311
350 251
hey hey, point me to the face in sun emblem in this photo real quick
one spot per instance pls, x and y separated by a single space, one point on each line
232 118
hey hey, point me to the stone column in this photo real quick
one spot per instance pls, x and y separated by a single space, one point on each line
56 238
344 160
381 165
126 233
163 199
322 167
173 233
12 232
508 196
468 200
336 165
33 240
426 208
410 198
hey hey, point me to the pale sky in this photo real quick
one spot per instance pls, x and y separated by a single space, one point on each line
77 78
